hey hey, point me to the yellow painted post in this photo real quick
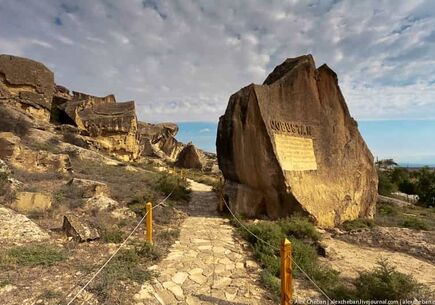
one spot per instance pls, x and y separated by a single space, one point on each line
286 273
149 223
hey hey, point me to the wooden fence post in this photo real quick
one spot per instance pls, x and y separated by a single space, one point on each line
149 223
286 273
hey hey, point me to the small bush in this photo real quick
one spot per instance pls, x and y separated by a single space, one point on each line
145 250
50 294
3 183
31 255
69 196
112 236
414 223
385 209
299 227
385 283
74 139
176 186
359 223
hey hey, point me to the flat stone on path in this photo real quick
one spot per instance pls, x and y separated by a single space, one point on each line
208 264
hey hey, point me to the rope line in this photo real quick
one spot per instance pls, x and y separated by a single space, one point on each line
275 248
117 250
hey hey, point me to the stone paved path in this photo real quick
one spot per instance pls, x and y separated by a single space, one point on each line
207 265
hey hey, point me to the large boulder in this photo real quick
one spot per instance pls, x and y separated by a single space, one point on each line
191 157
158 140
113 125
290 145
28 84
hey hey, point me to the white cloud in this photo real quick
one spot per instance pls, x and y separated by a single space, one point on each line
181 60
204 130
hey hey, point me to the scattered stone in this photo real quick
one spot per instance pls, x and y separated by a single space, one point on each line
180 277
89 188
79 230
290 145
28 202
251 265
123 213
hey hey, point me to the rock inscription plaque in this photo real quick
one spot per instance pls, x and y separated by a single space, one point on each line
295 153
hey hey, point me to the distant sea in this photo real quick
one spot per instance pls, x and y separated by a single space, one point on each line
411 143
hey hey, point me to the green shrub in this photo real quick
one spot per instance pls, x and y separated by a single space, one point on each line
385 185
386 209
174 185
145 250
385 283
299 227
414 223
112 236
31 255
359 223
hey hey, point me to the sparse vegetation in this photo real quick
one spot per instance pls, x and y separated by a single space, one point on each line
173 185
127 265
385 283
303 236
68 195
30 255
201 177
414 223
359 223
413 217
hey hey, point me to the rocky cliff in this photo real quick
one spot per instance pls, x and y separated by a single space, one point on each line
290 145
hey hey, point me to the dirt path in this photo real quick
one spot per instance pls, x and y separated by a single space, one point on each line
350 259
208 264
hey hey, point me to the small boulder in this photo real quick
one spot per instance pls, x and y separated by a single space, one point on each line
89 188
79 230
31 202
17 228
191 157
101 202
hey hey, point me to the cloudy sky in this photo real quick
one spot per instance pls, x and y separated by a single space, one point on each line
181 60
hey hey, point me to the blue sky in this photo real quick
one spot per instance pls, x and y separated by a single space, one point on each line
180 60
406 141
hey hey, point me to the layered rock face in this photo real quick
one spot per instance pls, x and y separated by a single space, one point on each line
27 84
113 125
290 145
158 140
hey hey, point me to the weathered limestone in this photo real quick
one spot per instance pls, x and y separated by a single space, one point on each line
113 125
191 157
27 84
158 140
17 228
290 145
24 158
27 202
79 230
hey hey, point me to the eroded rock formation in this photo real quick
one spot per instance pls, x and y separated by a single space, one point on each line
290 145
158 140
113 125
27 84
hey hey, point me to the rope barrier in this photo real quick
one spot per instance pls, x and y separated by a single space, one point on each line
118 249
275 248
